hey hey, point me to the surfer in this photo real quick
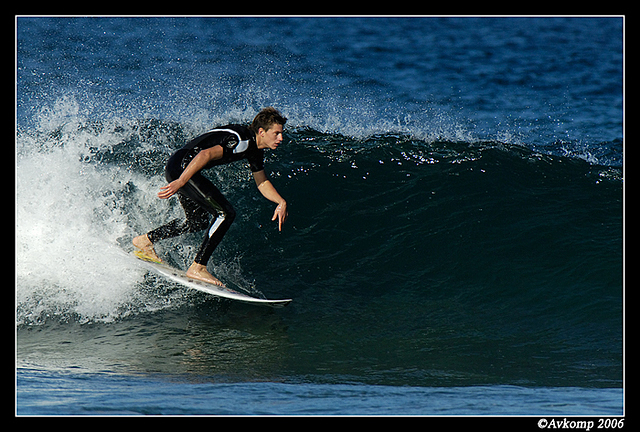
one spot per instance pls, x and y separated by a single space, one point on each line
200 199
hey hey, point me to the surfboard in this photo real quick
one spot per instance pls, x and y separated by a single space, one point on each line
179 276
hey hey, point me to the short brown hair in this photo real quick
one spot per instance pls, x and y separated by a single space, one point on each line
266 118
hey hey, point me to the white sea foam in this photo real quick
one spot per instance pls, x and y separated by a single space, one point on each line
74 216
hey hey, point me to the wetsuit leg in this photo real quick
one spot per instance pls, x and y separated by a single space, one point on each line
200 199
196 219
203 192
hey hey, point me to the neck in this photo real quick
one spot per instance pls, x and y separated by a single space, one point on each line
259 142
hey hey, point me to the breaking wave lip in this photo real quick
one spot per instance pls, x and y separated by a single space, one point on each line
75 212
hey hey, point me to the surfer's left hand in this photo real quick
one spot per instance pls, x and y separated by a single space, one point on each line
281 214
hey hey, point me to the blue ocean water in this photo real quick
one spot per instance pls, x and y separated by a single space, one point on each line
454 244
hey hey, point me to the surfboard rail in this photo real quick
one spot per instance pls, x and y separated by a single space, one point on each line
179 276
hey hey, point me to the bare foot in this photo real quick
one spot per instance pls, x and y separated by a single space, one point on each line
143 243
198 271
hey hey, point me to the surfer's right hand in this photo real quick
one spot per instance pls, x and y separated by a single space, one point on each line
170 189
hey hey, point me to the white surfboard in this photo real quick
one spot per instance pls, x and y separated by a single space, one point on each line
181 277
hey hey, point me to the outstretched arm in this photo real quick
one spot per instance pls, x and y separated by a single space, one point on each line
196 164
269 192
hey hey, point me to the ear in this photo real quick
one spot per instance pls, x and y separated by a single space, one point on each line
262 132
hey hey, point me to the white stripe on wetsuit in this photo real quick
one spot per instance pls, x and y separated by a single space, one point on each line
216 224
242 144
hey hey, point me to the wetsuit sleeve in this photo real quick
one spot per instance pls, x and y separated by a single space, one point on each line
229 143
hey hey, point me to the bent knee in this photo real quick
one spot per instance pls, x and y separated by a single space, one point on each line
229 214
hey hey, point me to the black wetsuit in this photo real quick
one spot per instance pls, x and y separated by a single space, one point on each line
199 197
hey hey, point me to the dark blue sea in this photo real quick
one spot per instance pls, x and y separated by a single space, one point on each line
455 235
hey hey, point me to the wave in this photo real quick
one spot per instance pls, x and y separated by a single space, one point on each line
368 211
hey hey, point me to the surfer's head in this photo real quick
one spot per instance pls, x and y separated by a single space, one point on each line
267 118
267 126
